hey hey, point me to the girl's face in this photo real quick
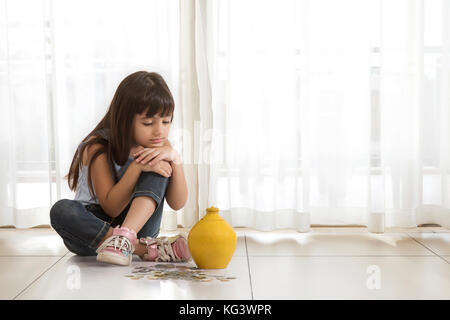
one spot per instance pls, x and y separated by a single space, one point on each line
151 132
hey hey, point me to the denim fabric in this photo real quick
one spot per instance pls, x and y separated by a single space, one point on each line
83 227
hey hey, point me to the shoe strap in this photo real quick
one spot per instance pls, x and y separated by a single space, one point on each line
125 232
163 248
117 242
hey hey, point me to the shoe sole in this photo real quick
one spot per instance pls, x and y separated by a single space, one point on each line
113 258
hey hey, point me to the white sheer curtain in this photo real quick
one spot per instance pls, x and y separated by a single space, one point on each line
60 63
288 113
326 112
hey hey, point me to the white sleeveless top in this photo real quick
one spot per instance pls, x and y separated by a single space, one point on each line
82 192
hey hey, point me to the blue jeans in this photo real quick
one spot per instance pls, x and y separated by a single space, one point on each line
83 227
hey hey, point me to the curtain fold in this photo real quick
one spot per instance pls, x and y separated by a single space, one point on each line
23 121
203 56
186 142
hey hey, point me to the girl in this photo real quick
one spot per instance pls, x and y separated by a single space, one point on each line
121 173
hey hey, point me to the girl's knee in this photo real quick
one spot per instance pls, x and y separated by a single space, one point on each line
152 175
60 212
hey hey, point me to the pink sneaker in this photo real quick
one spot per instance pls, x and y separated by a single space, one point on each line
119 248
166 249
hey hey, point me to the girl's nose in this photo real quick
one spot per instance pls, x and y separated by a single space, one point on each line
157 130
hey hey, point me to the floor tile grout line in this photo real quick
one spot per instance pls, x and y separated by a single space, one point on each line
248 266
427 248
38 277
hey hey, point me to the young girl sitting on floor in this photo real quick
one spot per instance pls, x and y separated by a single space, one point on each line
121 172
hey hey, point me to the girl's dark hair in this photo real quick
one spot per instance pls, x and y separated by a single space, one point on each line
136 93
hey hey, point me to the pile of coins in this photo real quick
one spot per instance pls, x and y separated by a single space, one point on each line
175 272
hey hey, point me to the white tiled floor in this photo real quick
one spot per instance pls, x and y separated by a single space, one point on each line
325 263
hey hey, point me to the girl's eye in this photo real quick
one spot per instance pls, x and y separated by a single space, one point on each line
149 124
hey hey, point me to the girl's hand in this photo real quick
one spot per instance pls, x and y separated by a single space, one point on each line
162 167
151 156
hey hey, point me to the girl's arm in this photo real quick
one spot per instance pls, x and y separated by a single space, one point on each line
177 192
119 195
113 197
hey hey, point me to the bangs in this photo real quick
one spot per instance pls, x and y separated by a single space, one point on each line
157 102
